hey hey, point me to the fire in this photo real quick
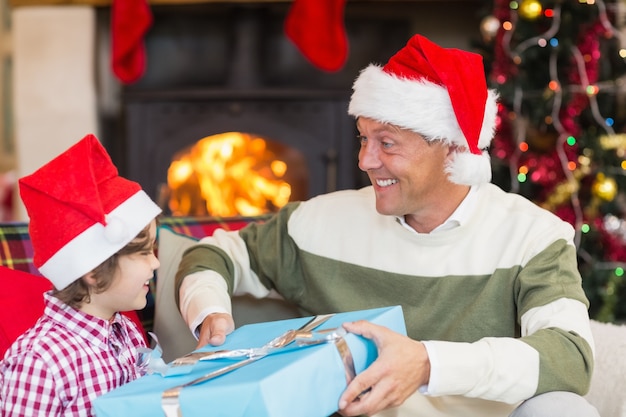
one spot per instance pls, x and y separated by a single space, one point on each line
226 175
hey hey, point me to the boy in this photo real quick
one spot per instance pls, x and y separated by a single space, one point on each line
93 235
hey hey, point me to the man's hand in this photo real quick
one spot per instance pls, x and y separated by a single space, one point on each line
214 329
401 368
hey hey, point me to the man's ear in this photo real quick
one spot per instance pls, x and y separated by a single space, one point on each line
452 149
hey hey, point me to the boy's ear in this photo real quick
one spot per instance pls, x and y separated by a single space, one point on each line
89 279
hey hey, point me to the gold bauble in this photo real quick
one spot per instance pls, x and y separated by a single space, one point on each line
489 28
530 9
604 187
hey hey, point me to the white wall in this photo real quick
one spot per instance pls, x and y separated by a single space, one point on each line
54 94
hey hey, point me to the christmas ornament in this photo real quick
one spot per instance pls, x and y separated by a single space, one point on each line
530 9
615 226
613 231
489 28
604 187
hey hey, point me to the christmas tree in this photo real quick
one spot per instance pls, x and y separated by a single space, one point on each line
560 69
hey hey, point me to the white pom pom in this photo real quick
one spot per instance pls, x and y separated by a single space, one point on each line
469 169
115 230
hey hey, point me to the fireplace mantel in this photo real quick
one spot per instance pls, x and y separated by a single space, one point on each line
105 3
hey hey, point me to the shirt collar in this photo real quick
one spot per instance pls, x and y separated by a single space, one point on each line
456 219
85 325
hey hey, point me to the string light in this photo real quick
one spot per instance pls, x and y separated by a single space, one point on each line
562 114
592 90
548 34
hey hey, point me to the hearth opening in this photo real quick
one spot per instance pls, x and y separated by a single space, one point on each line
235 173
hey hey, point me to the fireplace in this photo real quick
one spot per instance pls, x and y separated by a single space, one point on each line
160 124
228 67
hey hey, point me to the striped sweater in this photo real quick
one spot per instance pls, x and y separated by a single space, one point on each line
498 300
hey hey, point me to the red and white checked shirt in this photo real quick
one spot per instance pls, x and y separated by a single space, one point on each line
67 359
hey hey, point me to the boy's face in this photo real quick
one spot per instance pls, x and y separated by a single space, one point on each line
130 284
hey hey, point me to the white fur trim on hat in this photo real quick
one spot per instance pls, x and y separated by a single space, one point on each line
468 169
424 107
99 242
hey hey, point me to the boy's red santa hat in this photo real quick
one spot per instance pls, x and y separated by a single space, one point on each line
439 93
81 211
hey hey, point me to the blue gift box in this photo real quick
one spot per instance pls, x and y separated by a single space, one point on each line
303 382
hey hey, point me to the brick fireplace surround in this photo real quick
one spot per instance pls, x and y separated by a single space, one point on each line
63 87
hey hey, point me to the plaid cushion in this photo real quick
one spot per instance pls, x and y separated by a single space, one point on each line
199 227
16 250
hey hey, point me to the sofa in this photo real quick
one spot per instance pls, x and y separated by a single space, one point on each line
161 317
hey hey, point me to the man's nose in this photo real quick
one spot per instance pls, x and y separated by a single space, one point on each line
368 157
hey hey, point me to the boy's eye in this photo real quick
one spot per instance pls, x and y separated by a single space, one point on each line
148 251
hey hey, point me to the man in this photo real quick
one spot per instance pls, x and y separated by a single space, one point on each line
488 282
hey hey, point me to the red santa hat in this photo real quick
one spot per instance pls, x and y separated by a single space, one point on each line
439 93
81 211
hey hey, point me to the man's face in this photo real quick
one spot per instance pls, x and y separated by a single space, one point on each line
407 172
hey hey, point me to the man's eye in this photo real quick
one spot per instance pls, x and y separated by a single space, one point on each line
387 145
361 139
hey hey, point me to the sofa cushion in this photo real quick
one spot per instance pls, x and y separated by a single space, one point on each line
22 303
199 227
193 227
16 249
608 383
175 235
173 333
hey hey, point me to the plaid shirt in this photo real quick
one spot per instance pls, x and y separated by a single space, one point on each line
65 361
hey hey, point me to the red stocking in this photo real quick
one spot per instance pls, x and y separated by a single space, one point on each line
316 27
130 20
